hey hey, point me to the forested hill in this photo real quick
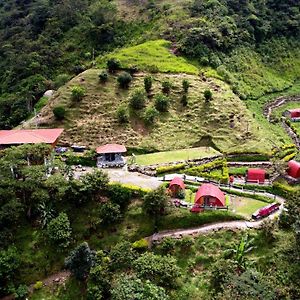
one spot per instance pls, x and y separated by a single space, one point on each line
43 43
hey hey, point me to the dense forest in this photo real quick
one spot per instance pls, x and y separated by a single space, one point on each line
45 43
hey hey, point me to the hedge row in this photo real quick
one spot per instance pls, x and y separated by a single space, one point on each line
135 190
172 168
81 160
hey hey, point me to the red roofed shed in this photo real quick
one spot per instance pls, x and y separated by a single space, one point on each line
29 136
176 185
111 148
256 175
294 169
294 113
209 195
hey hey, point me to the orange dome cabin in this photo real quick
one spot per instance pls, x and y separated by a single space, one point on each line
208 196
176 186
294 169
256 176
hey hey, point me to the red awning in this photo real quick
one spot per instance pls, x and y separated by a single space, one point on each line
211 190
256 175
294 169
111 148
177 181
29 136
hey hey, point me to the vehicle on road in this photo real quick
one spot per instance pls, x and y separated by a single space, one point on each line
265 211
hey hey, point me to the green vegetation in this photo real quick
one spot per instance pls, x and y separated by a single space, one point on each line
178 155
59 112
77 93
152 56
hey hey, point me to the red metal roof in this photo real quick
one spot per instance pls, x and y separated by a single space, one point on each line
111 148
29 136
294 112
208 189
294 169
256 175
177 181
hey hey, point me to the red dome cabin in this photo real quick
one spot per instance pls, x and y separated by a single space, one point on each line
176 185
294 169
256 176
207 196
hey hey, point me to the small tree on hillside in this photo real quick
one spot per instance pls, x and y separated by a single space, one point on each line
124 80
59 112
122 114
166 86
103 77
110 213
59 230
207 95
80 261
77 93
184 100
137 99
150 115
113 65
162 103
185 85
148 83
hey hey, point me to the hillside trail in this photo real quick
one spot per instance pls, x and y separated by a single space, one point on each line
276 103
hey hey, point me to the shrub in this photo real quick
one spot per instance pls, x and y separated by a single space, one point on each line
110 213
59 230
59 112
122 114
185 85
207 95
77 93
141 244
167 246
38 285
135 190
162 103
161 170
120 195
137 99
150 115
148 83
166 86
80 261
21 292
124 80
103 76
113 65
184 100
155 202
121 256
61 80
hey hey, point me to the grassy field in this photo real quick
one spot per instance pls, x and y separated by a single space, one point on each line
172 156
245 206
153 56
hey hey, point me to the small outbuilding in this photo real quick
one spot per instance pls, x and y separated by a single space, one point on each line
110 155
176 186
294 169
256 176
209 195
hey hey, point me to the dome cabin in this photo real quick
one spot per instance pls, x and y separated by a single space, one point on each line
294 169
209 195
176 186
256 176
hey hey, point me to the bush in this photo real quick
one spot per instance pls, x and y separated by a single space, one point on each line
162 103
21 292
207 95
185 85
59 112
122 114
135 190
120 195
167 246
166 87
121 256
113 65
59 230
110 213
184 100
61 80
80 261
38 285
124 80
77 93
141 244
150 115
148 83
137 99
161 170
103 76
155 202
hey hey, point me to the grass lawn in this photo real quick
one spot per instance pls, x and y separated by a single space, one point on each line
151 56
170 156
245 206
